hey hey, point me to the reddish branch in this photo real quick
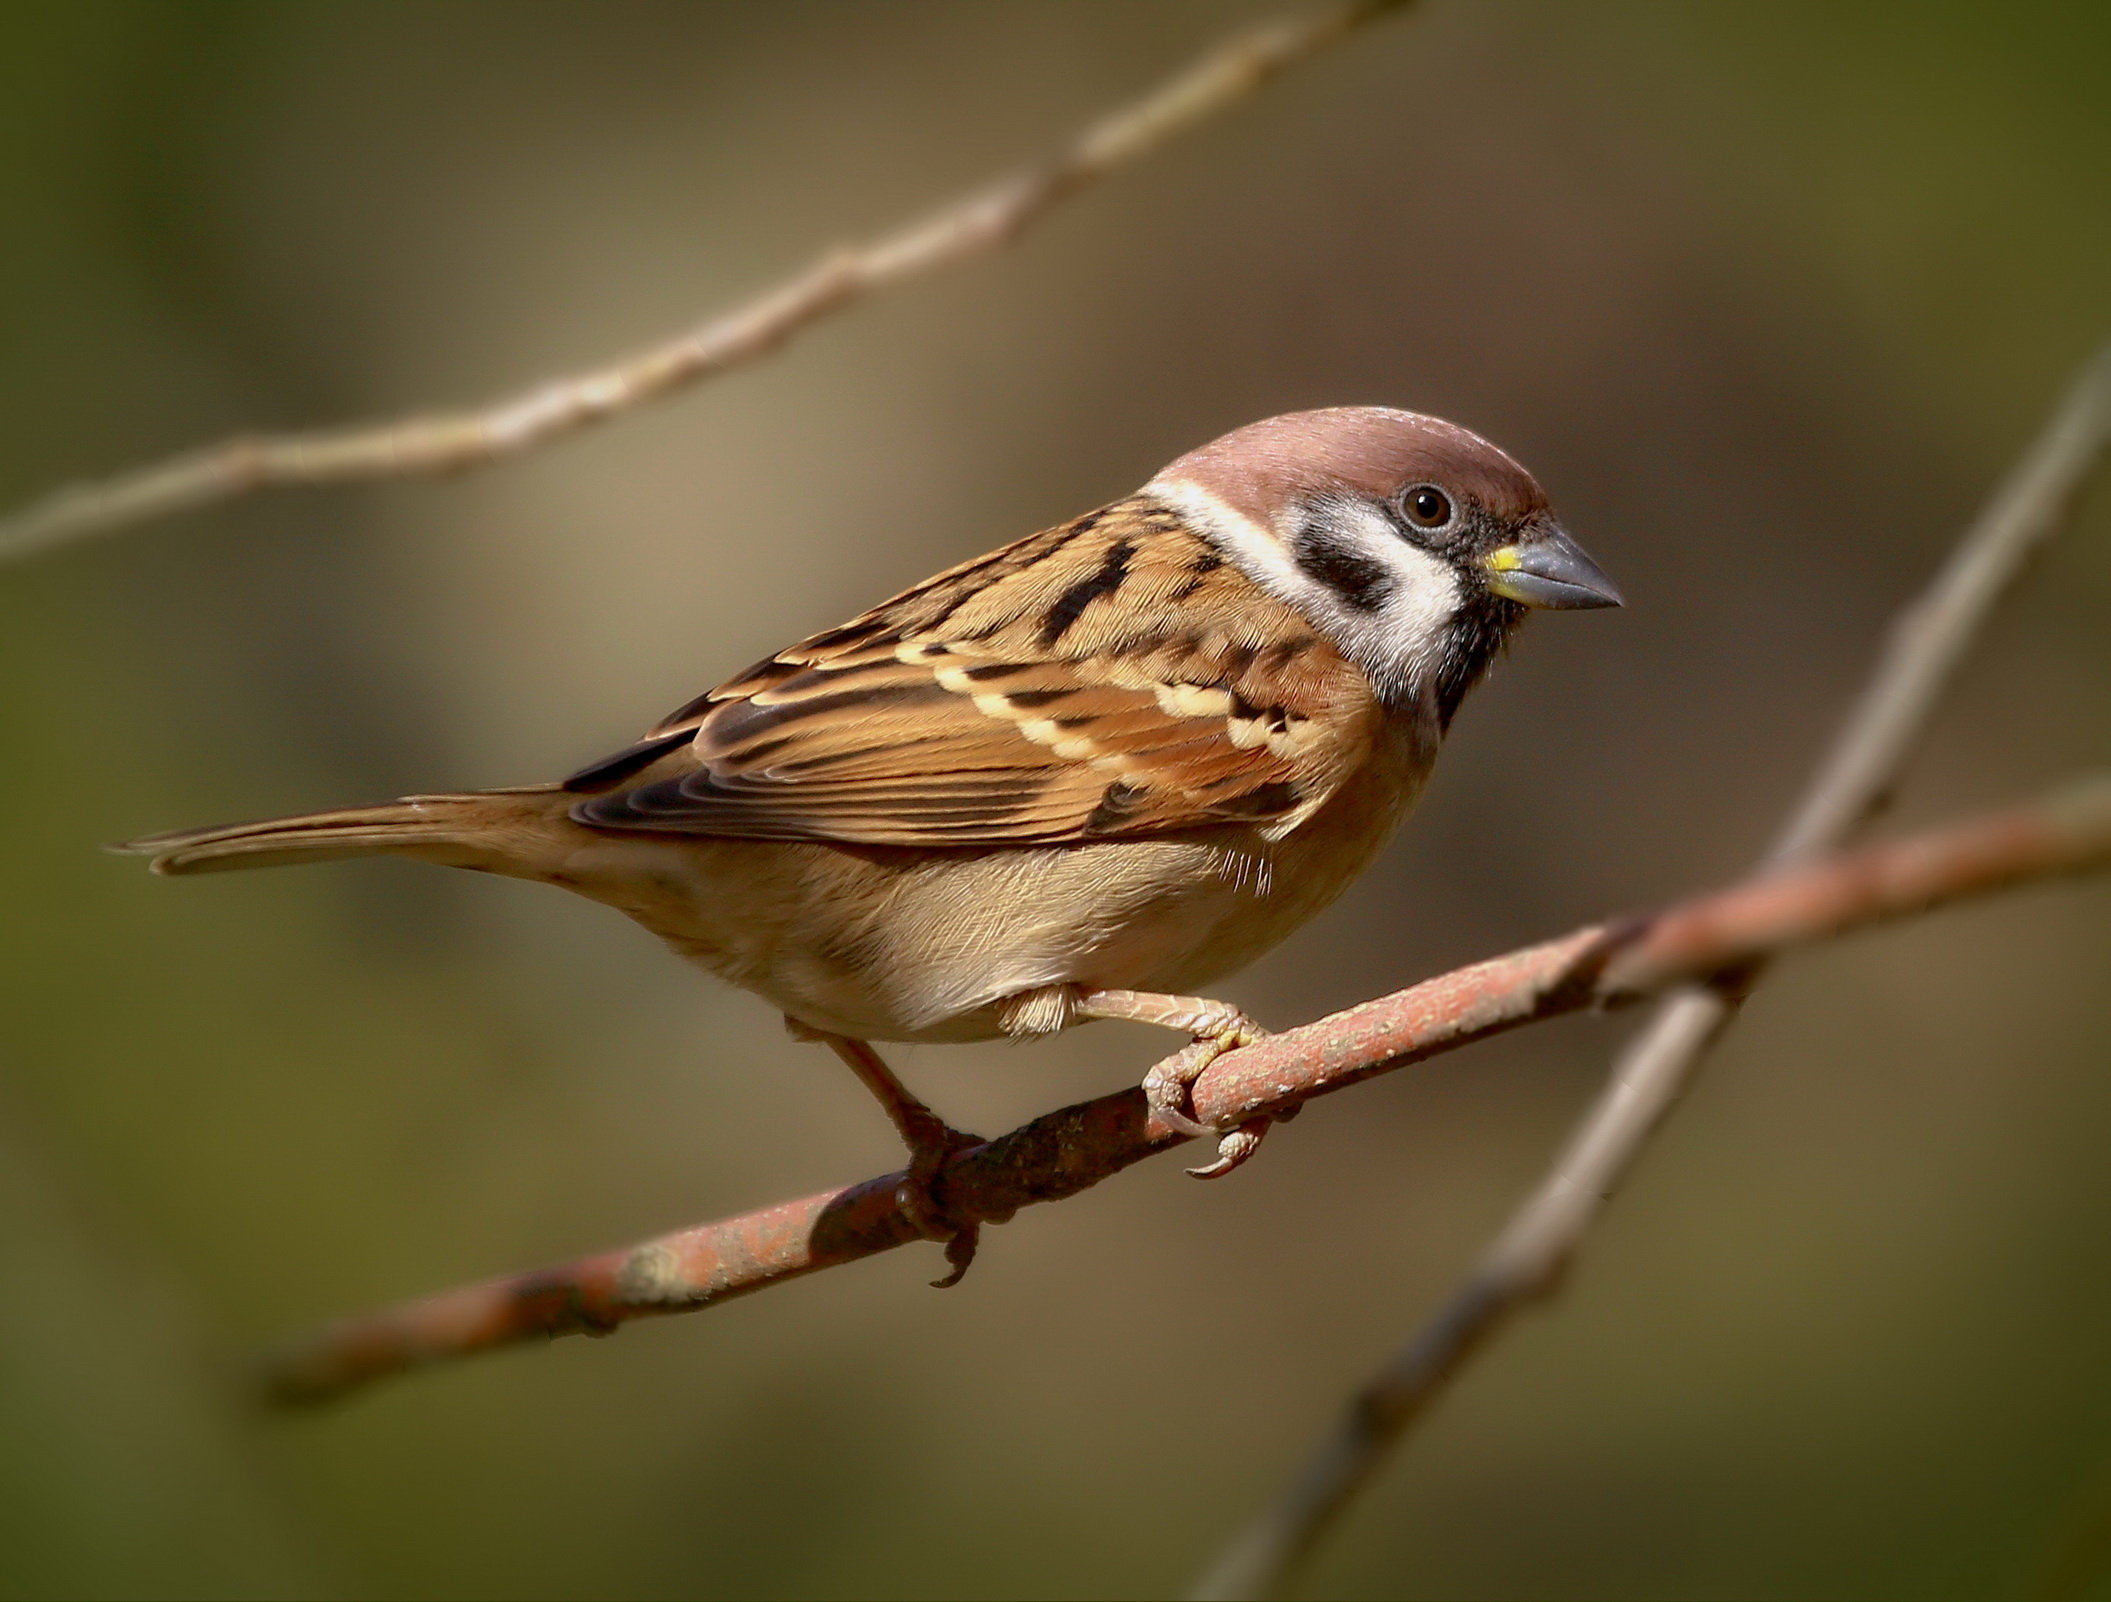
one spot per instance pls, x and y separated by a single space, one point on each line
1070 1150
976 223
1855 779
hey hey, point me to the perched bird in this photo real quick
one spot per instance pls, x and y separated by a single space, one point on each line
1077 778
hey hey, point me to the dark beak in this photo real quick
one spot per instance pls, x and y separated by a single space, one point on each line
1548 569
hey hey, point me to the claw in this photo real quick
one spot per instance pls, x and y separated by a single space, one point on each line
930 1139
1217 1027
960 1252
917 1205
932 1144
1166 1087
1233 1148
1179 1122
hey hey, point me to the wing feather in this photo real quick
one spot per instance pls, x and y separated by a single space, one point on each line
1112 677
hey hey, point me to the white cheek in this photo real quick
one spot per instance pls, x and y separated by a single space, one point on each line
1400 642
1252 549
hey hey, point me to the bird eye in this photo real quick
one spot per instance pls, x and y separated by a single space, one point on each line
1427 506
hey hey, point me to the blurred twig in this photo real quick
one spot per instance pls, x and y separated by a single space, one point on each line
1855 780
1067 1151
979 222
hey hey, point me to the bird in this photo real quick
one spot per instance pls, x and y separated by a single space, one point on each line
1085 776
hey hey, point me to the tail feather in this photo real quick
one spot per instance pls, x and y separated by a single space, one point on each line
470 830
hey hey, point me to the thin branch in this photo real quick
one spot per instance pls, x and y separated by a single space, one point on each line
1527 1260
974 225
1067 1151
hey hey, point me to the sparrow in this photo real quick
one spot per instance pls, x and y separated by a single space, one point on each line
1082 777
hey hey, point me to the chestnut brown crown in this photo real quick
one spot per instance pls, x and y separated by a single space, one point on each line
1369 452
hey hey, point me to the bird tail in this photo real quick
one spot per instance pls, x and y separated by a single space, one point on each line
489 829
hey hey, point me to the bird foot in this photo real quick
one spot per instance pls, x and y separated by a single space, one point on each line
932 1142
930 1139
1166 1087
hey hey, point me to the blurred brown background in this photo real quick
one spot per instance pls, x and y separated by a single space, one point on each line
1768 295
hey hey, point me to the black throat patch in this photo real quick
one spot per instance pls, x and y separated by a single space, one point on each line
1472 641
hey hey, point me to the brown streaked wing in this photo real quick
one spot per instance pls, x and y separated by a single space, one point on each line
1112 677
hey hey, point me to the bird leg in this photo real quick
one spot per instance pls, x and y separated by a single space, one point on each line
1218 1027
930 1139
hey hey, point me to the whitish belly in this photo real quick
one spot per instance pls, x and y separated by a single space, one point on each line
896 945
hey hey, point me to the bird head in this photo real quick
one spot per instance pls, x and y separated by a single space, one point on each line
1413 544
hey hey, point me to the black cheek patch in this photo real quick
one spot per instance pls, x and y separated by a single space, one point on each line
1359 581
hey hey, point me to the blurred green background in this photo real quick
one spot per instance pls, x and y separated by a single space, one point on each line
1768 295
